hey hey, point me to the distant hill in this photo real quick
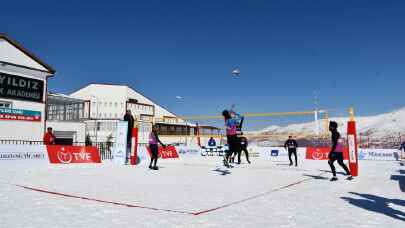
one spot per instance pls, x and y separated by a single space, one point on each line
379 129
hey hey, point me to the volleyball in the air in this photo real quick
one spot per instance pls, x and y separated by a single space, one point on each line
236 72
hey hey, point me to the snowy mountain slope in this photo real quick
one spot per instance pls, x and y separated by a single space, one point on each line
379 126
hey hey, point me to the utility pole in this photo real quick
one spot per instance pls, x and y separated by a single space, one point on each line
316 103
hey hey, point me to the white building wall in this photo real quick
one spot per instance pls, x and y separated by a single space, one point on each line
106 101
108 105
24 130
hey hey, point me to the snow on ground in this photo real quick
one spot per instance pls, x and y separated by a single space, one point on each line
267 193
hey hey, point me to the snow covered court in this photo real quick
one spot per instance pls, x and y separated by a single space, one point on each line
199 192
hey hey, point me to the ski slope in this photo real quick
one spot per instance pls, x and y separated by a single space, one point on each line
199 192
378 126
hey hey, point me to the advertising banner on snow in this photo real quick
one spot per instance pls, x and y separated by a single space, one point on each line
322 153
189 150
143 154
273 152
134 146
23 154
120 144
19 114
166 153
61 154
217 151
379 154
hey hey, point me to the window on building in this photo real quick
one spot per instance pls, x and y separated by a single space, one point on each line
110 104
116 104
5 104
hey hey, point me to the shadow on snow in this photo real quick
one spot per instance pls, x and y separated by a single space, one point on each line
378 204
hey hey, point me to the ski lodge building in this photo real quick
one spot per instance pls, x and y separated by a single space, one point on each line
27 108
108 104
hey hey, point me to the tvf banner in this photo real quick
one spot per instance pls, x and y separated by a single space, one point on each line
165 153
321 153
59 154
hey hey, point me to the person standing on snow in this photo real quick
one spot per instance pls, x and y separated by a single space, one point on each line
243 145
336 152
131 121
49 137
402 149
154 149
291 145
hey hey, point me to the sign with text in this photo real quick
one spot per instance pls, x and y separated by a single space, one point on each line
21 88
322 153
23 154
379 154
165 153
19 114
59 154
120 143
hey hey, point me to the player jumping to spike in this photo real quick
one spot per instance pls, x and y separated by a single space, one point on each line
232 122
336 152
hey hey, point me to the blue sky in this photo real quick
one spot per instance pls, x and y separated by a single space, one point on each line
350 52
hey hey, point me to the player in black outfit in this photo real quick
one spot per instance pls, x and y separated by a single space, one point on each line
131 122
243 147
336 153
291 145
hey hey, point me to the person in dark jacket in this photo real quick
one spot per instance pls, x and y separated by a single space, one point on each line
154 148
212 142
336 153
291 146
131 121
243 146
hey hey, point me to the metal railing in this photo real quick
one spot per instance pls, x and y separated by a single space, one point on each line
105 148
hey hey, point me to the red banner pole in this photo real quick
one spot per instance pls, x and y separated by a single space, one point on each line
134 146
352 142
198 136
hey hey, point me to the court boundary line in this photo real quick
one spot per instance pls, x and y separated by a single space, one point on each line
197 213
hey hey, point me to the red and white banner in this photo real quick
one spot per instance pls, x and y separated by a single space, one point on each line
322 153
59 154
166 153
134 146
352 140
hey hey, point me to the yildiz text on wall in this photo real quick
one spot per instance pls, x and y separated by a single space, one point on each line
21 88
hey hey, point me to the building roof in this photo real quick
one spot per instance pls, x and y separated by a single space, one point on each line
59 98
28 53
128 92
